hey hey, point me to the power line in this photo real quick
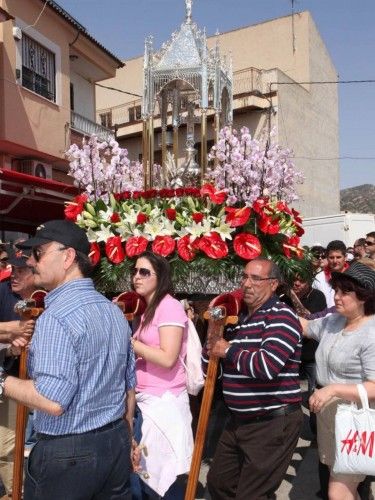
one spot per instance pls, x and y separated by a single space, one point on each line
336 158
117 90
335 82
323 82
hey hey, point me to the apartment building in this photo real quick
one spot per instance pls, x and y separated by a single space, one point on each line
49 64
277 69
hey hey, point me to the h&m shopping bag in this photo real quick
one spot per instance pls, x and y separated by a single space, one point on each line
355 437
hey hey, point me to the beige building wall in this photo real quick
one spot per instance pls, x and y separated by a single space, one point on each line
27 117
305 115
32 126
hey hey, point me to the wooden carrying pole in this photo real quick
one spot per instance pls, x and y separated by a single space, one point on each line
22 412
217 320
21 418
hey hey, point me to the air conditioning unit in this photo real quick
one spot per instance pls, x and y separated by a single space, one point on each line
36 168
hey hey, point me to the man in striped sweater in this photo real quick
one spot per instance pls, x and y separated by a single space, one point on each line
260 366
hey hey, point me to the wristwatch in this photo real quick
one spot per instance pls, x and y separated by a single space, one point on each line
3 377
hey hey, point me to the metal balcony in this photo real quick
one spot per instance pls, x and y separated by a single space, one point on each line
88 127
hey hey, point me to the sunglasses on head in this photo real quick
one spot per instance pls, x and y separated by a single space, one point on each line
142 271
320 256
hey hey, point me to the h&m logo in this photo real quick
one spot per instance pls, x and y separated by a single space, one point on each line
359 443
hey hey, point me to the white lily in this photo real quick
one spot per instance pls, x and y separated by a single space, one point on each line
92 235
154 228
224 230
104 233
106 215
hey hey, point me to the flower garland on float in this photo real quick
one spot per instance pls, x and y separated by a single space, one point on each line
239 213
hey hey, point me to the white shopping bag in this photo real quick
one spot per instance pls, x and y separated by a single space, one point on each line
193 361
355 437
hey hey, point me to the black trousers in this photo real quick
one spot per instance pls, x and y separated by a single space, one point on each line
251 459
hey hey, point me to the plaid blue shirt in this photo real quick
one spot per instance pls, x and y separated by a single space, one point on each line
80 357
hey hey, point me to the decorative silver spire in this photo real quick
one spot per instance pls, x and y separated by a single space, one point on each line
188 6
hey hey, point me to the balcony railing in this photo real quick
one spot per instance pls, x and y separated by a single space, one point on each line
245 81
88 127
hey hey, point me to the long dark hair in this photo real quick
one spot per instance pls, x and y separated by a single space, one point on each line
164 284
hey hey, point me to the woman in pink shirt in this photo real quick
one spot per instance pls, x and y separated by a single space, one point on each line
160 346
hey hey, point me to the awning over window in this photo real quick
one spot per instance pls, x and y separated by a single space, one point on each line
27 201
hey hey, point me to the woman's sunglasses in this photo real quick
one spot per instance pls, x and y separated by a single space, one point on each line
320 256
142 271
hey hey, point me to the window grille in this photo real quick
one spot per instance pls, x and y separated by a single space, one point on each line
38 68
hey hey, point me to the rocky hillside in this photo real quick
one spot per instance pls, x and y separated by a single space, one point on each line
358 199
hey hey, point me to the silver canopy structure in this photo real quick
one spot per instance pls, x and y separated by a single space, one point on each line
183 82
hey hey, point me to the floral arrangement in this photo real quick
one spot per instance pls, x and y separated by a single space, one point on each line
100 168
248 168
212 230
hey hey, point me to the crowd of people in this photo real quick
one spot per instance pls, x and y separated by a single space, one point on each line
111 412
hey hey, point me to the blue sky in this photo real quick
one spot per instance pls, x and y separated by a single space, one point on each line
346 26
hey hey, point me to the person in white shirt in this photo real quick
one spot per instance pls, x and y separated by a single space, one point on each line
336 253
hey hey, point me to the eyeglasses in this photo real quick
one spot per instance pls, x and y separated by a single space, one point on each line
320 256
369 243
255 279
38 253
142 271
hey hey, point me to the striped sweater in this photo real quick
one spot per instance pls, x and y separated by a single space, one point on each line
261 369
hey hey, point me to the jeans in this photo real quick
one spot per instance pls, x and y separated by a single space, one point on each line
30 434
94 465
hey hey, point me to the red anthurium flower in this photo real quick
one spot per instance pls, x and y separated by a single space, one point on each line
213 246
283 207
170 213
267 225
75 207
114 250
237 216
247 246
196 243
142 218
185 248
115 217
291 247
215 196
260 204
296 216
163 245
300 231
94 254
135 245
197 217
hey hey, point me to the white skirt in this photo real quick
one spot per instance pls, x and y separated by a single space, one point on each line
167 438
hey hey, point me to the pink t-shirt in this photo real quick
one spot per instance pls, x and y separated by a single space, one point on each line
153 379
